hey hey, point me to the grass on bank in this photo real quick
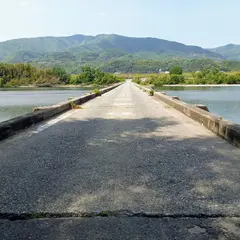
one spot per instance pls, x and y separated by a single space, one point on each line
97 92
75 106
187 75
151 93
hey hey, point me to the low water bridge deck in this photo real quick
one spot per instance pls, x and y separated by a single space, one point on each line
125 166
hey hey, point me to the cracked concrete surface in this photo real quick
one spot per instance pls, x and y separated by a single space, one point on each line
122 228
123 150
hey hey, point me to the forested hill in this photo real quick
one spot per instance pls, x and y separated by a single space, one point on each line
230 51
114 53
112 45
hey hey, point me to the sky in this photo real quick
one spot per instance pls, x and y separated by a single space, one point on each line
206 23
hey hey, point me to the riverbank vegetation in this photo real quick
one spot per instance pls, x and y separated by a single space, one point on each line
12 75
176 76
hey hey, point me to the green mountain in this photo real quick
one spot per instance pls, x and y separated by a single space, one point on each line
98 48
39 45
115 53
230 51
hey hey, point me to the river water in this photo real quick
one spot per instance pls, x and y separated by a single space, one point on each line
17 102
223 101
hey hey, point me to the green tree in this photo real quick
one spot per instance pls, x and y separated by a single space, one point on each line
176 70
62 74
87 75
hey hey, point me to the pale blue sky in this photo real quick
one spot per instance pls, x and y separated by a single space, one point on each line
207 23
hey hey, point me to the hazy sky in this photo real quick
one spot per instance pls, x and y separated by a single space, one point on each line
206 23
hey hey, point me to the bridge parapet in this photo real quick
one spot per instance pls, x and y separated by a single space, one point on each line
12 126
200 113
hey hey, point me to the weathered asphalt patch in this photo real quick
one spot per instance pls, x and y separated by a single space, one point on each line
197 230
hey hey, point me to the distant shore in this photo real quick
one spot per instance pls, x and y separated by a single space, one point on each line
55 86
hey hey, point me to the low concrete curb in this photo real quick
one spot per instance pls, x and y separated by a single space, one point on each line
12 126
223 128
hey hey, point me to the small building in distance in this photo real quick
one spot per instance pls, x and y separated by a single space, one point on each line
163 71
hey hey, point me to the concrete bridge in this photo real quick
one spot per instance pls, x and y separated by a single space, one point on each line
125 166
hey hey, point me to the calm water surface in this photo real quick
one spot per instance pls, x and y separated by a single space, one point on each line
17 102
223 101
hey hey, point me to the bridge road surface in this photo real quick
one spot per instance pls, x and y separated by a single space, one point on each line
125 166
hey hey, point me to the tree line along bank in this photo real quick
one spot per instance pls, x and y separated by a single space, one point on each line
21 74
176 76
12 75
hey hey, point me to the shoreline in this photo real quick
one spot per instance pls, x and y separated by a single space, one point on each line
201 85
